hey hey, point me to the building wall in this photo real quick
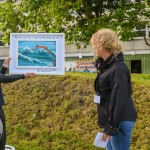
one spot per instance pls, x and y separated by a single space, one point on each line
137 46
71 50
4 52
134 50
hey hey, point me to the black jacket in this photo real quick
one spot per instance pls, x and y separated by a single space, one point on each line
7 79
113 84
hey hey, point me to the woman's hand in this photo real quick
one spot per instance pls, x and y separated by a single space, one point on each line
105 137
29 75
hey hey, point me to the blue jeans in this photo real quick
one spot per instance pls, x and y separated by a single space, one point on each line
121 141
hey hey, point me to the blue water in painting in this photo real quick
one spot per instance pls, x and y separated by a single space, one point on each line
29 55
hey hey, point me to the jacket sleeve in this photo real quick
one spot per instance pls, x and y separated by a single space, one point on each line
119 94
10 78
3 70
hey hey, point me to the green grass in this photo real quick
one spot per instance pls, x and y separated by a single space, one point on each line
58 113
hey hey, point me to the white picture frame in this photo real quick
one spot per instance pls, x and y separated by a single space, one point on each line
41 53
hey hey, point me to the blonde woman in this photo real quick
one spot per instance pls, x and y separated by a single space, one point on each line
116 111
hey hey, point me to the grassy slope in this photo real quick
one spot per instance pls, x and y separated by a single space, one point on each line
58 113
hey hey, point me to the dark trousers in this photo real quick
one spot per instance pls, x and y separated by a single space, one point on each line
3 139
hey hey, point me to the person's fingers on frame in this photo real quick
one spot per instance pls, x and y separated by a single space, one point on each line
29 75
32 74
7 60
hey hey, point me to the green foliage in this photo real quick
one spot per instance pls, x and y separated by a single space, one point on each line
77 19
58 113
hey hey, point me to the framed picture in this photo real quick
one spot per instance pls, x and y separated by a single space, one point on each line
41 53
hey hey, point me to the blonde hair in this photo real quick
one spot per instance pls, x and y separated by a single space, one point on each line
108 39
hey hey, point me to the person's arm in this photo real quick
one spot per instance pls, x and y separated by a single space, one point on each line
119 94
12 78
5 65
3 70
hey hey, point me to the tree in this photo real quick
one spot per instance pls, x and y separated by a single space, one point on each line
78 19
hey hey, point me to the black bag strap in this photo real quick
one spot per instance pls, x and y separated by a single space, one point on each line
96 86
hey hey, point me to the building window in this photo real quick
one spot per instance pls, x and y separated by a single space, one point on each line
136 66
